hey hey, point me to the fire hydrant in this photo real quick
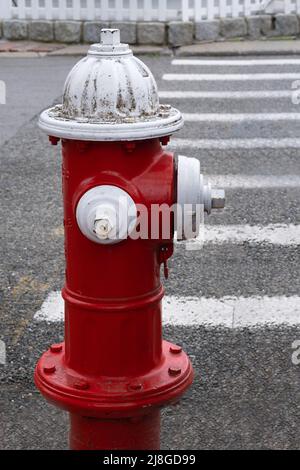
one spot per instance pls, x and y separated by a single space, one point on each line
114 373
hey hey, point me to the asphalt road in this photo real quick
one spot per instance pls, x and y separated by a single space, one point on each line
246 392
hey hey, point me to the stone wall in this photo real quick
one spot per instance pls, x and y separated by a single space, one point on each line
172 34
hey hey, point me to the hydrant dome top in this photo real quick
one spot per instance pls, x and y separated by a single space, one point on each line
110 95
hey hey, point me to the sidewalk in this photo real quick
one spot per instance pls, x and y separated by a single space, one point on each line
241 48
225 48
27 48
39 49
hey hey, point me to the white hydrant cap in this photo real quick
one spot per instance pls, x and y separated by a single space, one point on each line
110 95
106 214
194 197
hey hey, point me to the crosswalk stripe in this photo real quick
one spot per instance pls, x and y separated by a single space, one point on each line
224 144
228 312
235 117
237 62
211 77
232 95
254 181
272 234
2 353
232 312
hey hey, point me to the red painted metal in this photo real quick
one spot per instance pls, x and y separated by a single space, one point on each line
114 372
142 433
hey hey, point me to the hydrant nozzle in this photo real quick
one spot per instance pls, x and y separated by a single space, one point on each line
103 228
105 221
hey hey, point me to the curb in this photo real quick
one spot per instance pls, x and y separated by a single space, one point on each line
287 46
81 50
154 33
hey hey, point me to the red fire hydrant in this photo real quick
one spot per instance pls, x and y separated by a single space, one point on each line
114 372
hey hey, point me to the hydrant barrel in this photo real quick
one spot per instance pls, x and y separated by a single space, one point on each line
114 372
141 433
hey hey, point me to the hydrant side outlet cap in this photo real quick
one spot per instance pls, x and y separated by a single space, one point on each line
194 197
110 95
106 214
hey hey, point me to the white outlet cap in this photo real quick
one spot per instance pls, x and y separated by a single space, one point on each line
106 214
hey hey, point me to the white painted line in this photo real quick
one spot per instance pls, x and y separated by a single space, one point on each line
231 95
238 62
225 144
275 234
2 92
232 312
52 309
228 117
229 312
193 311
254 181
2 353
212 77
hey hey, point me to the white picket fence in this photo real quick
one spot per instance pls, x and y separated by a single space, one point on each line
132 10
138 10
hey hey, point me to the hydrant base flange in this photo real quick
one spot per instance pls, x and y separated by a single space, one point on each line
114 397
